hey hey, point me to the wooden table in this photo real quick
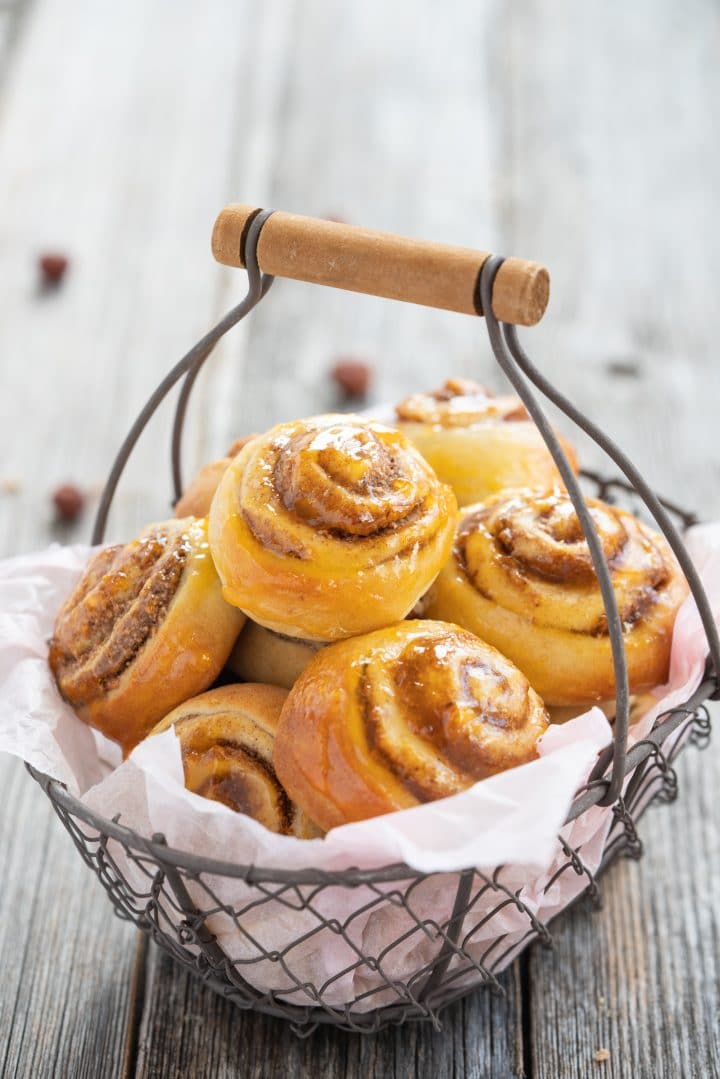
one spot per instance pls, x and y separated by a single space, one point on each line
581 134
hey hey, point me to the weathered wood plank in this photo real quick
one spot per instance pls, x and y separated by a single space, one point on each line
12 19
186 1026
125 178
607 126
642 977
605 119
66 961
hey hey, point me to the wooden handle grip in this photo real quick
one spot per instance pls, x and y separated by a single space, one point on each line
382 264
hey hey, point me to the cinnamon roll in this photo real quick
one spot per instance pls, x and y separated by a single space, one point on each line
401 716
476 442
197 496
521 576
226 739
329 527
260 655
145 628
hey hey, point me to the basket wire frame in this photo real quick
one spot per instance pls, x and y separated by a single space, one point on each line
174 896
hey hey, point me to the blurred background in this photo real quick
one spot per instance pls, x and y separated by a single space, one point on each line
581 135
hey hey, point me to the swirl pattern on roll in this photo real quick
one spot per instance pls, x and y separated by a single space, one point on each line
398 717
117 605
476 442
521 575
114 642
459 403
329 526
226 739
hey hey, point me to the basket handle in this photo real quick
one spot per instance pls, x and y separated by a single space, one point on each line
382 264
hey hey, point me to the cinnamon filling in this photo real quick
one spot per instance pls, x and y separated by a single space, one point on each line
347 480
116 609
347 484
542 538
459 403
466 715
242 779
412 779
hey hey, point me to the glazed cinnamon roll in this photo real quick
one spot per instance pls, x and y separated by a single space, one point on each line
521 576
260 655
401 716
146 628
197 496
329 527
476 442
226 740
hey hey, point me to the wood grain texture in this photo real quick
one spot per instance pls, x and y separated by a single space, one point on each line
66 961
642 979
185 1026
632 341
358 259
579 135
626 172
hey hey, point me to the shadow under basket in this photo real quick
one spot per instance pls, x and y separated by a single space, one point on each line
447 933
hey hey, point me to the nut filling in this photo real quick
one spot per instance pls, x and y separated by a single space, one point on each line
443 710
535 546
115 610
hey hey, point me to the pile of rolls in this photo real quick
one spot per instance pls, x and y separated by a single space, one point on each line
348 618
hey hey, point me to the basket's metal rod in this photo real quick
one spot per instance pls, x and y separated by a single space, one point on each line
615 629
205 940
197 355
449 946
648 496
187 386
591 795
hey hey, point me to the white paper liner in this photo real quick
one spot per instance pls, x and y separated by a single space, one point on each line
512 819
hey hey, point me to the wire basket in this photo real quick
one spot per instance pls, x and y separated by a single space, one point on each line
188 904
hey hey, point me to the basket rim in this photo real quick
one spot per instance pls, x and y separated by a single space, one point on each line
352 876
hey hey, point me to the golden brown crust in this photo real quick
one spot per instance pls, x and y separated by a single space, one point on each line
478 443
260 655
521 576
401 716
226 738
145 628
198 495
461 402
328 527
639 706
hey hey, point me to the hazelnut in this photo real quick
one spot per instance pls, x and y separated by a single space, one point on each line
69 502
353 377
52 267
